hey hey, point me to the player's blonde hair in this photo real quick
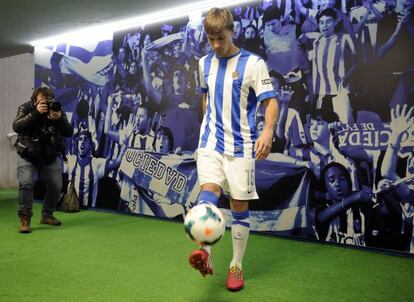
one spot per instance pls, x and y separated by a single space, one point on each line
218 19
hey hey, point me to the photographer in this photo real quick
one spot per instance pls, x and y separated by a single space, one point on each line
41 125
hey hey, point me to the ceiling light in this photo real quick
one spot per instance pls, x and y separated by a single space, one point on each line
105 31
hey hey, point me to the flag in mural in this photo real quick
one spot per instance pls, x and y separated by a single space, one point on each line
91 62
160 184
172 176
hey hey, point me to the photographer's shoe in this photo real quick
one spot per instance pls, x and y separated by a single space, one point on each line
24 227
51 220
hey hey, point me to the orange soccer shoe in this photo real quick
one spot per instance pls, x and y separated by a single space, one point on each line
200 260
235 279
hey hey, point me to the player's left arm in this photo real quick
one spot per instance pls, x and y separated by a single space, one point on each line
264 142
262 86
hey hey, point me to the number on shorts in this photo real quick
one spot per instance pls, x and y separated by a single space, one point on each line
250 177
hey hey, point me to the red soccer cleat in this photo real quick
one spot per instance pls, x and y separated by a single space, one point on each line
235 279
200 260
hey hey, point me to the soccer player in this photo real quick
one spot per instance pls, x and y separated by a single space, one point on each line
233 82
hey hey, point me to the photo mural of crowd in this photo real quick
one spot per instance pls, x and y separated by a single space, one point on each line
342 164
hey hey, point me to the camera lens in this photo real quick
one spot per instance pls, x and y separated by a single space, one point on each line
54 105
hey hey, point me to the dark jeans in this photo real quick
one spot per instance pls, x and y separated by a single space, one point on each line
51 175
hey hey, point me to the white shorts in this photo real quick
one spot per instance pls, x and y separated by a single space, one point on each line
233 174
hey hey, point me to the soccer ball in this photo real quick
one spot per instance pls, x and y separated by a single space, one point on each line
205 224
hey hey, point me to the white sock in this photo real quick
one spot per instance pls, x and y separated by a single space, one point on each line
240 233
207 248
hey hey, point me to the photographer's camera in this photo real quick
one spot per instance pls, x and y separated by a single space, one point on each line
53 105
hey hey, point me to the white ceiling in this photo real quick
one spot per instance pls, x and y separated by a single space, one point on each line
22 21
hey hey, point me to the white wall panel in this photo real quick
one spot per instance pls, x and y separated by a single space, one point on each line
16 84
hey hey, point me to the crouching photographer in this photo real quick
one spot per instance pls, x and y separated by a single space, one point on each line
41 126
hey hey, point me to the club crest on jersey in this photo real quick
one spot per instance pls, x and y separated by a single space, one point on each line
235 75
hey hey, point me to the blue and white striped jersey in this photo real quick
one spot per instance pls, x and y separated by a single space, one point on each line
234 86
329 63
85 178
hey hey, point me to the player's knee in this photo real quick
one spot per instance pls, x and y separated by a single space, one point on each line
239 205
208 196
210 187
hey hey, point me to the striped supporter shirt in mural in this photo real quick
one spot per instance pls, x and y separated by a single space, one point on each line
85 178
330 56
234 86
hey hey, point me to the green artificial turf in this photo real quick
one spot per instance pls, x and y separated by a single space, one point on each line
99 256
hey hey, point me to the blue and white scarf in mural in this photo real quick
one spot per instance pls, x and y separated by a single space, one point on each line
283 188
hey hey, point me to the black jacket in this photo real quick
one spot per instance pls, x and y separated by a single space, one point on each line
40 139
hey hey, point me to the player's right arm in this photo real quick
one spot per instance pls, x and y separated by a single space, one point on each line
203 85
204 103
